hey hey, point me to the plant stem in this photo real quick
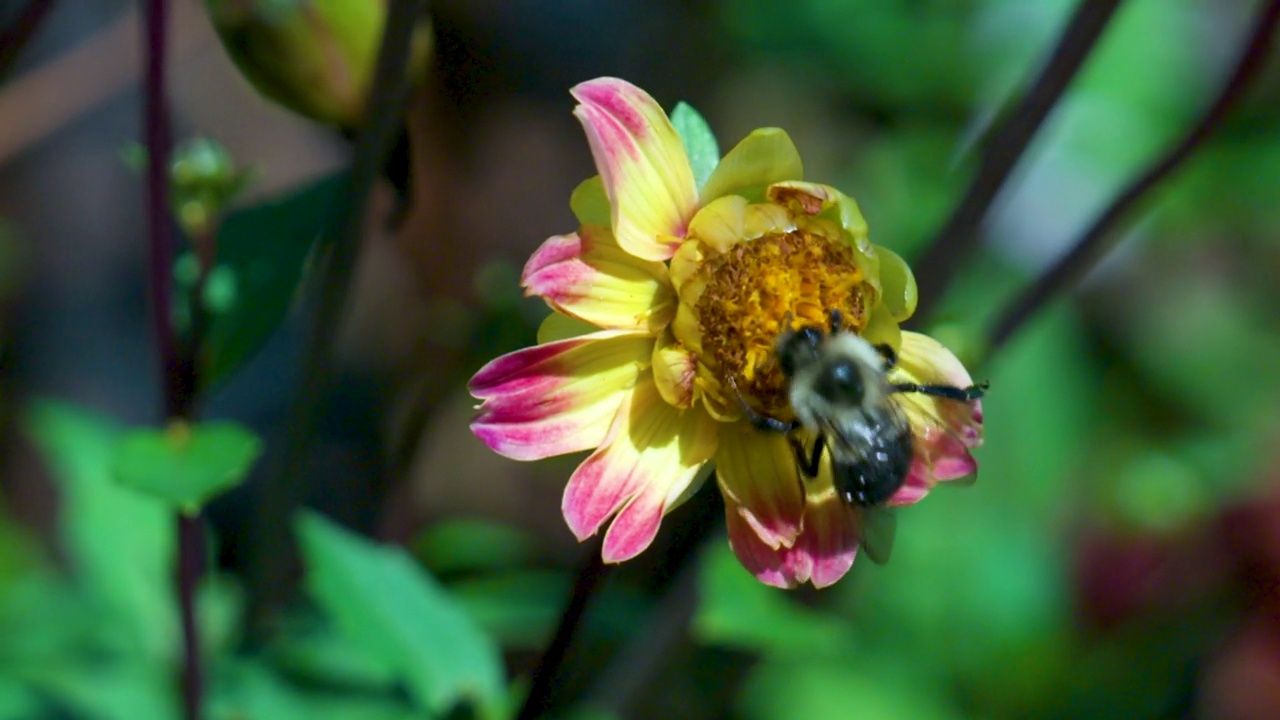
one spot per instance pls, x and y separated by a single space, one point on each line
15 37
176 359
546 675
1000 154
1094 244
282 491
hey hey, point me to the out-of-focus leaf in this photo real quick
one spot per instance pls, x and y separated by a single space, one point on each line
795 688
17 702
517 608
186 465
107 691
738 611
698 140
220 608
248 690
266 247
120 542
380 598
317 653
455 546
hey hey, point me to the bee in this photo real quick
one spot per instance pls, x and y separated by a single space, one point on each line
839 389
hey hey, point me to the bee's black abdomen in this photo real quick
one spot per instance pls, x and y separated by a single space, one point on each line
874 479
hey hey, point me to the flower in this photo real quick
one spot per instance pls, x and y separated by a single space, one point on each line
665 292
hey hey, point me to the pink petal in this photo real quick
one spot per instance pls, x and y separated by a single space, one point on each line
587 276
650 456
829 542
822 553
643 165
757 476
765 562
556 398
944 430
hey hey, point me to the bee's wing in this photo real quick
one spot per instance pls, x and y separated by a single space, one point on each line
877 527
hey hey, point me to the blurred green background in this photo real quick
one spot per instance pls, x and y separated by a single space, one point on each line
1118 557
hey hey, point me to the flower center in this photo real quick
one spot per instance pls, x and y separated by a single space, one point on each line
756 288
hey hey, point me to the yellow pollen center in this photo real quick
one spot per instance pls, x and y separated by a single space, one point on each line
755 288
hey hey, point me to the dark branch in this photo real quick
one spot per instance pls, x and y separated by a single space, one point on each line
546 675
282 492
14 38
176 358
1101 236
959 236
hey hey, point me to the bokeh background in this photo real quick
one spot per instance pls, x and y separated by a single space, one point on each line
1118 557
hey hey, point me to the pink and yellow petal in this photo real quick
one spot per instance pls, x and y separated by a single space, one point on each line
758 479
821 554
945 430
642 164
650 455
587 276
764 157
557 398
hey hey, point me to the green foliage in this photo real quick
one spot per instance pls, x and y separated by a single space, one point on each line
384 601
698 140
266 247
734 609
186 465
120 542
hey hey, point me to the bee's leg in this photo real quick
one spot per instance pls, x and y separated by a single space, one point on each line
836 319
761 421
890 357
973 392
808 461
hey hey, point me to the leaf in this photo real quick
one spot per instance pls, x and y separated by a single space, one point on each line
699 141
519 608
382 600
799 688
18 702
251 690
185 465
265 248
455 546
120 543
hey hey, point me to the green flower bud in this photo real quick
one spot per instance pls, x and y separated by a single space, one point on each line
315 57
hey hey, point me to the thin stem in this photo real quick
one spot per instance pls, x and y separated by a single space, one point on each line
1000 154
15 37
1094 244
282 492
546 675
176 359
675 581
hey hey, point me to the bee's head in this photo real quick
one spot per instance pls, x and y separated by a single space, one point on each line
798 349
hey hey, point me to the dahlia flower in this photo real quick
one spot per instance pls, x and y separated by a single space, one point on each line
668 290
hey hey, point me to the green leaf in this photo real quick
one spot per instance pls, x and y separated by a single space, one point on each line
796 688
466 545
17 702
120 543
185 465
265 247
251 690
738 611
381 599
699 142
519 608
